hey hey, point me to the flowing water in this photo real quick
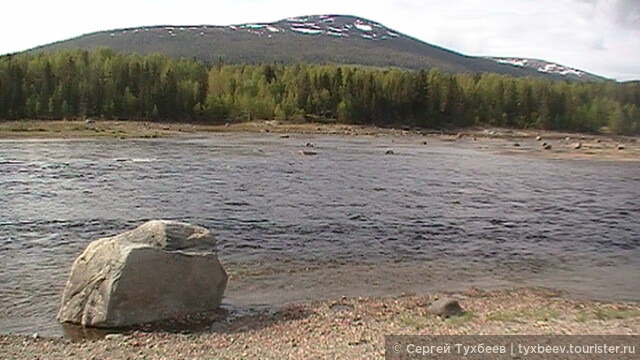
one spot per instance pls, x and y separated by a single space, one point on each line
348 221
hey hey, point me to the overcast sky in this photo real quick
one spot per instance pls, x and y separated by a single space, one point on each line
599 36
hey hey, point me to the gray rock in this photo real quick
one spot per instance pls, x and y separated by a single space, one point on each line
160 270
445 307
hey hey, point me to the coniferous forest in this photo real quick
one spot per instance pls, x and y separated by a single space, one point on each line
103 84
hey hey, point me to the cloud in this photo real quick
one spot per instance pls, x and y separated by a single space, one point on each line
627 13
622 13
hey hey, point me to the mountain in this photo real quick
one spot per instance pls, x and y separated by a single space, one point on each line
310 39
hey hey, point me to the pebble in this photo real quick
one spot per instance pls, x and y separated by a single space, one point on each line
113 337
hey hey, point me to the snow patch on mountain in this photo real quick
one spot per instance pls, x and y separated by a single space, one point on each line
541 66
337 26
514 62
560 69
307 31
363 27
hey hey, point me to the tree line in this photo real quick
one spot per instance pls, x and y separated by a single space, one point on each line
103 84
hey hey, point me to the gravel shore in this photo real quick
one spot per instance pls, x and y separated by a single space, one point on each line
346 328
549 144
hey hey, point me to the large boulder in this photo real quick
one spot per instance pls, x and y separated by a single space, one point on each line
160 270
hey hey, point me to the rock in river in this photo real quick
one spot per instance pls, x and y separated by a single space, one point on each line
160 270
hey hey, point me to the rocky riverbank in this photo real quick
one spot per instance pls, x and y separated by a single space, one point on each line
527 142
346 328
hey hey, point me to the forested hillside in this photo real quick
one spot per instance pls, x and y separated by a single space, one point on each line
103 84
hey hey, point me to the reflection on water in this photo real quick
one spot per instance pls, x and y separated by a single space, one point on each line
350 220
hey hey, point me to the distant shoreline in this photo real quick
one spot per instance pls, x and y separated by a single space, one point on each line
563 145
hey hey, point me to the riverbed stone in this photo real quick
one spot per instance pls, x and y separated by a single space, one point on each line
445 307
160 270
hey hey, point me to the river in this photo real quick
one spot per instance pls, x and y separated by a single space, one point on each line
348 221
